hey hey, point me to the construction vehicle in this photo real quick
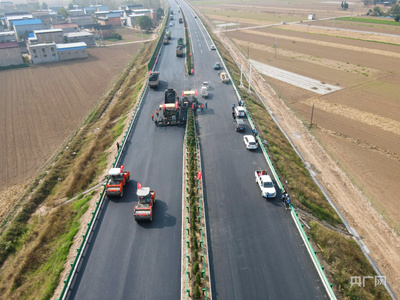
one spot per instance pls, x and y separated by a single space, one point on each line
224 77
180 42
179 51
154 80
180 20
168 34
204 89
166 42
169 96
143 211
117 179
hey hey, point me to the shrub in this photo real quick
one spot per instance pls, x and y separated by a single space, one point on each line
198 278
195 267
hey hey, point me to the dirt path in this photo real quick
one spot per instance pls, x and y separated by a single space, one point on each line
379 238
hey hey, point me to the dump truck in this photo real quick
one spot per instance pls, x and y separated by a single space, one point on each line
204 89
180 42
180 20
168 34
265 183
143 211
154 80
116 182
179 51
166 42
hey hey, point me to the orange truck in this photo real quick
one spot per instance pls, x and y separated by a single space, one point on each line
144 209
117 179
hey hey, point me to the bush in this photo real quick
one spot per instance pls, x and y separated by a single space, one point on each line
196 291
198 278
195 267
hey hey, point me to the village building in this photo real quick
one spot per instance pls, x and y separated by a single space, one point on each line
66 27
23 27
49 35
43 53
7 36
10 54
81 20
72 51
86 37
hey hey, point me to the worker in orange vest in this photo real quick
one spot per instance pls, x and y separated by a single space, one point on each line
157 112
152 117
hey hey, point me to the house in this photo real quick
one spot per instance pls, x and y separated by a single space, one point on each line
81 20
101 8
72 51
86 37
45 16
43 53
10 54
67 27
9 19
89 10
76 12
101 13
131 20
130 6
23 27
7 36
113 19
6 5
101 31
49 35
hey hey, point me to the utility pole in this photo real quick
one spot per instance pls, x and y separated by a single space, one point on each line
241 75
276 45
308 26
312 114
249 80
248 53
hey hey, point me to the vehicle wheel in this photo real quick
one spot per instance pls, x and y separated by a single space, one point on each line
151 217
121 194
129 177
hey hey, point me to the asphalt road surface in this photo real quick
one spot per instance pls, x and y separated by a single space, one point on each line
129 260
255 249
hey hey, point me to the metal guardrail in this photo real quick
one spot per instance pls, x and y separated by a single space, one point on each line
81 249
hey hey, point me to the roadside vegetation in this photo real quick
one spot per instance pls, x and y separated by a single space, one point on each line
343 255
370 20
197 273
36 241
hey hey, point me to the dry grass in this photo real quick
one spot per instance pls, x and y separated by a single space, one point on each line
346 260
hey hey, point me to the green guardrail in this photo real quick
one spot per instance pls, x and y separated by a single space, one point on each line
74 265
154 56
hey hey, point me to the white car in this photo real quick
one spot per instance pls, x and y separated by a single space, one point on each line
239 111
212 47
265 183
250 142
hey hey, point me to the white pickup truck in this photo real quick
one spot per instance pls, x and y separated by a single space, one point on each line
204 89
265 183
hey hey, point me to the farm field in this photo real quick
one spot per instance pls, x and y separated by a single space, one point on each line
44 104
359 125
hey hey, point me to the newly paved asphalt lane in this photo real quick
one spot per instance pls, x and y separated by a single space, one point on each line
255 249
129 260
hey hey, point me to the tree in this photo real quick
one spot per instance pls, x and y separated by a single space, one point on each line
63 12
397 18
395 10
45 6
160 13
345 5
70 6
144 22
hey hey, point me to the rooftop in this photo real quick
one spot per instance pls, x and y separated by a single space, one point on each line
76 34
27 22
8 45
47 30
80 45
5 33
65 25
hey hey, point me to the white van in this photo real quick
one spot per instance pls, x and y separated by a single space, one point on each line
239 111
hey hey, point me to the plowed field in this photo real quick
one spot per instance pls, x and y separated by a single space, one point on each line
41 106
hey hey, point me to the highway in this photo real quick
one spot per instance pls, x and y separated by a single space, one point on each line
255 249
129 260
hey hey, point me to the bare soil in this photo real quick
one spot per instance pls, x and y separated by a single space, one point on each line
354 143
43 104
